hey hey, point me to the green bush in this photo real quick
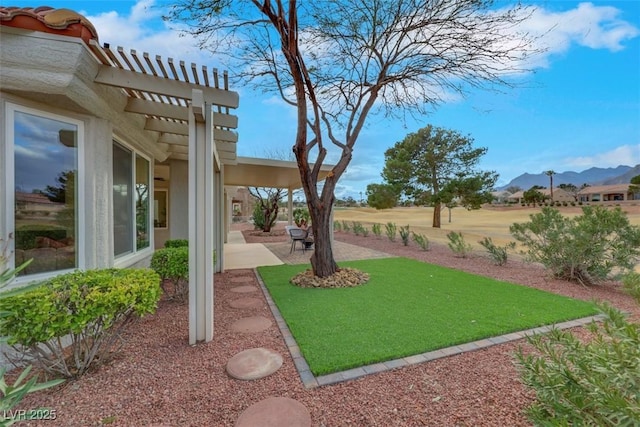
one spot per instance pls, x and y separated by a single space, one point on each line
421 240
631 284
376 229
259 221
498 253
586 248
337 226
585 384
356 227
13 394
92 308
172 265
176 243
345 226
365 231
458 245
390 229
404 235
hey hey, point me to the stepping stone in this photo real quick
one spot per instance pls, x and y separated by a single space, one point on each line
254 364
275 412
251 324
242 279
246 303
244 289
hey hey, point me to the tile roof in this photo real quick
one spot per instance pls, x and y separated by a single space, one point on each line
49 20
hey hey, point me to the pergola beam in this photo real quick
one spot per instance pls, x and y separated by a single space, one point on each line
132 80
177 128
176 112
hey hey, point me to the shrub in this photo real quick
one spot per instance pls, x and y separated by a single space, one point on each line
458 245
585 249
592 384
301 216
92 308
390 230
345 226
631 284
376 229
421 240
172 265
176 243
337 226
13 394
404 235
498 253
356 227
365 231
259 221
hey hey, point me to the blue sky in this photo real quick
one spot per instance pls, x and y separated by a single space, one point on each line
581 107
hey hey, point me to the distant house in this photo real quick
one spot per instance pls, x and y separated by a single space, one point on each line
500 196
607 193
559 195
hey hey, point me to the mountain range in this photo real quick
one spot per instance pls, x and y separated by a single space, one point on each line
594 176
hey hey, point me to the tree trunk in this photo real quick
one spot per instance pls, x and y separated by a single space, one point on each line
266 228
436 215
322 261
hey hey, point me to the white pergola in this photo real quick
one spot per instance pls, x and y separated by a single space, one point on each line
192 122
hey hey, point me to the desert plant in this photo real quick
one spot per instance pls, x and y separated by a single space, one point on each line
301 216
591 384
376 229
404 235
172 265
390 229
498 253
631 284
421 240
586 248
176 243
458 245
356 227
75 319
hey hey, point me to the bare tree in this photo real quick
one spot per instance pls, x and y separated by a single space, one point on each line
269 201
338 61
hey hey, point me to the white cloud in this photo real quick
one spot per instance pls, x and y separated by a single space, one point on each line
140 30
624 155
596 27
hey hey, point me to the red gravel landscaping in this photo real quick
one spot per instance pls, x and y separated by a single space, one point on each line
158 379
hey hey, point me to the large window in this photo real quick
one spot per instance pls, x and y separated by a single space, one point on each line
130 201
45 181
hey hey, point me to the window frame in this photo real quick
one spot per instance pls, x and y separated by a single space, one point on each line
10 110
129 258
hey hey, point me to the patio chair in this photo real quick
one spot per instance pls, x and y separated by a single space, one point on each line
297 235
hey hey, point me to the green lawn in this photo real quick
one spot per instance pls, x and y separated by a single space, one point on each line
407 307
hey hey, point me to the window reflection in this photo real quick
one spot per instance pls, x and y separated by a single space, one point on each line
142 203
45 162
122 200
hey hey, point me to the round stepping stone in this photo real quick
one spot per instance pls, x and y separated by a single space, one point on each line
244 289
246 303
275 412
254 364
241 279
251 324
